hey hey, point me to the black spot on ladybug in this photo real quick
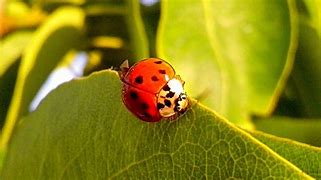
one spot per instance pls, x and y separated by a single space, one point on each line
170 94
166 88
162 71
155 78
133 95
167 103
160 106
158 62
144 106
139 79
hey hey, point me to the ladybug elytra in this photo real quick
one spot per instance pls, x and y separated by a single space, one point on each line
152 91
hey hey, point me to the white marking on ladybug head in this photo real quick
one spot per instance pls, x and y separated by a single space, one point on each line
172 99
175 86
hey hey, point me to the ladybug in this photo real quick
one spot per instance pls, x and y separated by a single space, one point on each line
152 91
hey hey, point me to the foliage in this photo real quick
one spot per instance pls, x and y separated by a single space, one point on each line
249 64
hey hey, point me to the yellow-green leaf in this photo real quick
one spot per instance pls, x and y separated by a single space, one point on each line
242 51
11 48
60 33
82 130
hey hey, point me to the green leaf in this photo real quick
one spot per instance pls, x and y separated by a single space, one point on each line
60 33
242 51
306 157
2 158
11 49
83 130
314 11
302 130
306 74
7 83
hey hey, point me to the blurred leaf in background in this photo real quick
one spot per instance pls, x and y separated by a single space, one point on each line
11 49
242 55
306 74
49 44
298 112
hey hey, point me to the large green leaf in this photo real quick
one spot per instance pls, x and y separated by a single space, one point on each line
240 50
60 33
307 158
83 131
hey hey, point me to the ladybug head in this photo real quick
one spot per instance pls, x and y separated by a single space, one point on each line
172 100
181 103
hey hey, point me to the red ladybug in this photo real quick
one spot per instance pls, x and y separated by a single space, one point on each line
152 91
